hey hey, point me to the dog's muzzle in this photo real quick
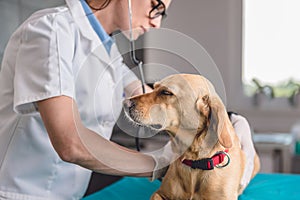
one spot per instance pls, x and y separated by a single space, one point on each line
131 112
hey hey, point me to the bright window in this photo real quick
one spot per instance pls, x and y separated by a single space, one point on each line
272 46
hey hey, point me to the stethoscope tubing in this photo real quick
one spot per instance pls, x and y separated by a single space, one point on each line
137 63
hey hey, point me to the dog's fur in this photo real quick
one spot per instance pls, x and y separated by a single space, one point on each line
189 109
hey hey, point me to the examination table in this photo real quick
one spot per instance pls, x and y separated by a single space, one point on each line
262 187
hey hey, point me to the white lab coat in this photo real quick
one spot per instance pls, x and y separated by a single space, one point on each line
55 52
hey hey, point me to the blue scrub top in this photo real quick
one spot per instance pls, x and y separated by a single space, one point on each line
104 37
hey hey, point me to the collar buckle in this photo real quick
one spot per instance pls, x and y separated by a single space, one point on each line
209 163
205 164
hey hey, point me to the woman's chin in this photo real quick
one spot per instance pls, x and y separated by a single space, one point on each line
136 33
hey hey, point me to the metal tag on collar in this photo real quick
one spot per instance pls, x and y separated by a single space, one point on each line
228 159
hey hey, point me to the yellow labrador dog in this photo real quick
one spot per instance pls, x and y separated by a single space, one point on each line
211 161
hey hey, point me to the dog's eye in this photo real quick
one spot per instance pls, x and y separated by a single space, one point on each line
166 92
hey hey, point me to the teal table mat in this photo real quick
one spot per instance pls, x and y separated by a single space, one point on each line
262 187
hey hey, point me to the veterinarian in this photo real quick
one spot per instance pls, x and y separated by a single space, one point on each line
62 85
60 69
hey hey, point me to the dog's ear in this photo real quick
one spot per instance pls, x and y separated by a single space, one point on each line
219 120
203 105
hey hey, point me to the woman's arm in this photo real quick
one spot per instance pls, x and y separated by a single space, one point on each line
76 144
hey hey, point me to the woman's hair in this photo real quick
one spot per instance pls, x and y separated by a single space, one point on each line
104 4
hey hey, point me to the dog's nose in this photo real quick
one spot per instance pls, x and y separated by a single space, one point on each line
127 103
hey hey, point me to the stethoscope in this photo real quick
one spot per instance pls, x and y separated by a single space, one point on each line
138 63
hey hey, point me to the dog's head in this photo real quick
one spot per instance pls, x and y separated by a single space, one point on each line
182 102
